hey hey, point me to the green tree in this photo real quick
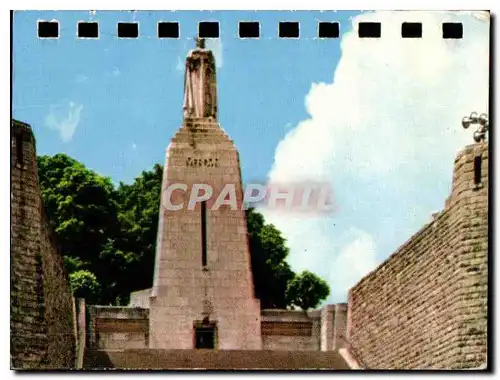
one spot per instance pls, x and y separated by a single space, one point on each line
119 278
73 264
84 284
81 206
307 290
139 215
83 209
108 237
271 272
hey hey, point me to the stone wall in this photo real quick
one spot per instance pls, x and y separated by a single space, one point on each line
115 327
316 330
140 298
42 311
110 327
290 330
81 340
333 327
426 305
59 303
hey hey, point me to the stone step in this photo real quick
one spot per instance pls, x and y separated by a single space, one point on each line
206 135
215 141
141 359
202 127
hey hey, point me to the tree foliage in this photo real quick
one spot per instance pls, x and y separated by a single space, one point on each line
108 237
82 207
307 290
271 272
140 207
84 285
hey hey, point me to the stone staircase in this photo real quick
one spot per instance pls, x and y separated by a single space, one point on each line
157 359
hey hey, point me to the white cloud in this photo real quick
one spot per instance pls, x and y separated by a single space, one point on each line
180 65
134 146
354 260
64 119
215 44
388 125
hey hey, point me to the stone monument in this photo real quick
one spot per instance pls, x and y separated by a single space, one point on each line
203 294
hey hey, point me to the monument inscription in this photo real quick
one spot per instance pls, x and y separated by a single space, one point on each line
198 162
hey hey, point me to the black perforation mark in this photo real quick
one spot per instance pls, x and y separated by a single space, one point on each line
369 30
453 30
208 29
168 30
477 170
249 29
328 30
411 30
128 30
88 30
289 29
48 29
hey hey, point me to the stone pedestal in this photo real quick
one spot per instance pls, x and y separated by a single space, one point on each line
185 291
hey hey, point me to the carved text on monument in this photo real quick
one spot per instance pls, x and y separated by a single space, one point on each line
207 162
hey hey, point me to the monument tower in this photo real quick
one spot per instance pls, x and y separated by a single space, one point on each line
203 294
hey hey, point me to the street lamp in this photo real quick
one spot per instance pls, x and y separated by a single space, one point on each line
482 120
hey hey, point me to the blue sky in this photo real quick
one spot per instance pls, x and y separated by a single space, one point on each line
130 91
378 119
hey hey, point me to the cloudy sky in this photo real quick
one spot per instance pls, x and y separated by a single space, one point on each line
378 119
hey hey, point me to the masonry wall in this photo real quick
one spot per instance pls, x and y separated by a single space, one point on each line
58 301
426 306
42 316
110 327
283 330
140 298
115 327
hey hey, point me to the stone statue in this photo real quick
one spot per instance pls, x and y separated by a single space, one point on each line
200 43
200 86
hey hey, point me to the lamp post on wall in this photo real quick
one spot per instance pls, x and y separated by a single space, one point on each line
481 120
